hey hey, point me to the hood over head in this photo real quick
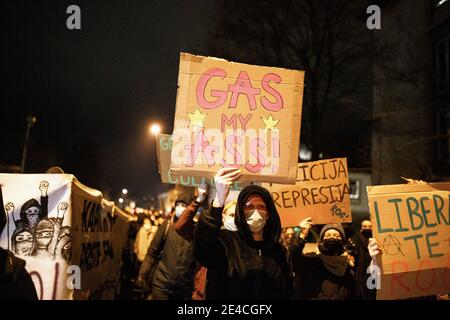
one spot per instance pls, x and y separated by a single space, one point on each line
272 229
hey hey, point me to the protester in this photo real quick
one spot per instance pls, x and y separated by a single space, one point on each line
200 279
144 237
228 216
287 237
248 263
171 256
325 275
358 247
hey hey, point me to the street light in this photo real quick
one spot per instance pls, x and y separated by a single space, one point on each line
120 200
155 129
30 120
124 191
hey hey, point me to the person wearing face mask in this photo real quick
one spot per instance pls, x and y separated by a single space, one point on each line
228 215
170 253
358 246
144 237
249 263
326 274
229 212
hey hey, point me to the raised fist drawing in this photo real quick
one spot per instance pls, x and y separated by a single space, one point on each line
9 207
43 186
62 207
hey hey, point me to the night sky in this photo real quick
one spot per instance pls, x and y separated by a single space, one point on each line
94 91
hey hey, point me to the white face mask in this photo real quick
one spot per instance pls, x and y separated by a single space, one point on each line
179 210
229 224
256 222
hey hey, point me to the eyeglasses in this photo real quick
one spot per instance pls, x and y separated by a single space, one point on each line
251 207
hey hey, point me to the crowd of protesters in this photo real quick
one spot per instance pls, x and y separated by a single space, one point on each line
210 248
237 249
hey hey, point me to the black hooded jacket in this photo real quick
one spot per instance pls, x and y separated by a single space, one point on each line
239 267
320 276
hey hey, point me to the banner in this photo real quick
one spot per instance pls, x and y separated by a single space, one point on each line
69 236
237 115
321 192
411 223
163 150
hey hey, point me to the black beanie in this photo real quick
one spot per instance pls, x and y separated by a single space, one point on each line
334 226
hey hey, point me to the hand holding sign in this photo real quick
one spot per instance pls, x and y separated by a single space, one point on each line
305 226
223 179
374 250
202 191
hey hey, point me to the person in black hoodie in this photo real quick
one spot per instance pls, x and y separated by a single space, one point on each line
326 275
249 263
357 245
15 281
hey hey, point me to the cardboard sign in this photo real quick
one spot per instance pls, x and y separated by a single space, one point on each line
163 149
411 223
70 237
237 115
321 192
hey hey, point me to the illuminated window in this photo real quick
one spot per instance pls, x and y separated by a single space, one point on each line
355 186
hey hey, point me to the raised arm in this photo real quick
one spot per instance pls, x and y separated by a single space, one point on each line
185 224
207 247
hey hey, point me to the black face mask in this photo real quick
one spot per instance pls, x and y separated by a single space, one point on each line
331 247
367 233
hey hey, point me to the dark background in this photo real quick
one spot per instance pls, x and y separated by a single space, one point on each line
378 97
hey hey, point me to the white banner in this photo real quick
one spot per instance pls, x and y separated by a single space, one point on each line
69 236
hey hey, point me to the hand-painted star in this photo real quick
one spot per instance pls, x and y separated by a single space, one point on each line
196 118
270 123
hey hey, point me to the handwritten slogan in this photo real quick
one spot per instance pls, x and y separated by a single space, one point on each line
164 148
412 225
321 192
237 115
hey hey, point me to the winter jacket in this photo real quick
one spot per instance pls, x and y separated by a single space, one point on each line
358 244
320 276
238 266
174 275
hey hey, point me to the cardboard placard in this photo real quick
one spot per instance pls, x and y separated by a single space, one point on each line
163 149
237 115
411 223
321 192
66 233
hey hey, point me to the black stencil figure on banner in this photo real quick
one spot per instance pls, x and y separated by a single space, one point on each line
38 235
31 211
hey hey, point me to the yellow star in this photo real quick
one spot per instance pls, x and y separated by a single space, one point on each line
196 118
270 123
